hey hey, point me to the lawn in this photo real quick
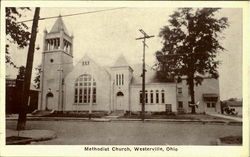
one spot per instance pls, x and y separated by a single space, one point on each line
160 115
77 114
178 116
231 140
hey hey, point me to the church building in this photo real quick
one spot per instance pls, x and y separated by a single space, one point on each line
88 84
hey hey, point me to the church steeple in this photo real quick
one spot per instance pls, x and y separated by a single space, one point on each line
59 26
121 61
58 38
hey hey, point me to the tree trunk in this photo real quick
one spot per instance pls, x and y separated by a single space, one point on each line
21 123
191 90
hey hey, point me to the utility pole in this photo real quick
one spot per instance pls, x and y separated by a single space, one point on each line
60 89
91 94
91 97
145 36
29 64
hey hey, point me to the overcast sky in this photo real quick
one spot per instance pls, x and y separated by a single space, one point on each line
106 35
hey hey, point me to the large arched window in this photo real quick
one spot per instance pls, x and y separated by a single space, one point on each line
84 84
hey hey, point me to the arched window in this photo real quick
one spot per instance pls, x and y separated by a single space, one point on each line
122 79
157 96
83 89
140 97
146 96
151 97
119 79
119 94
162 96
50 94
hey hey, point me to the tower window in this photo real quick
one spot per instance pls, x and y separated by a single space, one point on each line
51 60
122 79
52 44
67 46
116 79
119 79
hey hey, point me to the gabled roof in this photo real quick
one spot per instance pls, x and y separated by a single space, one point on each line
150 76
121 61
58 26
87 57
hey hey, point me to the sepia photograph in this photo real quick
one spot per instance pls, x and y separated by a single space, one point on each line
123 79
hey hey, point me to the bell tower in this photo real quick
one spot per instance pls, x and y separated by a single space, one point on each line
57 62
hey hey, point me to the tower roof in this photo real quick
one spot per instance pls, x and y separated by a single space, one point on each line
58 26
121 61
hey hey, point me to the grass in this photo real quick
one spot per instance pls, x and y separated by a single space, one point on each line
14 140
155 115
173 116
77 114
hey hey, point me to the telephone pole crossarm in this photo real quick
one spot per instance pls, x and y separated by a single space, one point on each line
144 37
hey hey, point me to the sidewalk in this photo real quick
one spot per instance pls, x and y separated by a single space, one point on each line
62 118
238 119
31 135
106 119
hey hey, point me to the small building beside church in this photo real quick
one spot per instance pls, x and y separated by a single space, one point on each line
65 87
13 96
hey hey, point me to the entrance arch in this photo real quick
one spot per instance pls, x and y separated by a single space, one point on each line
119 101
49 101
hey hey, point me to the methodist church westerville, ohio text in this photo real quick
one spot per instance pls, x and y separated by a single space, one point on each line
136 149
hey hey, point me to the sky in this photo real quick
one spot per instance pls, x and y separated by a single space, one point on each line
106 35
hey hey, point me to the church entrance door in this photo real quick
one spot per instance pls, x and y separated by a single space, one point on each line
119 101
50 102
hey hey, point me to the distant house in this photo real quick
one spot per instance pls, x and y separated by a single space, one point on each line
14 96
10 82
233 105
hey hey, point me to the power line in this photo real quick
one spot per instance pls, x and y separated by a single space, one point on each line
89 12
